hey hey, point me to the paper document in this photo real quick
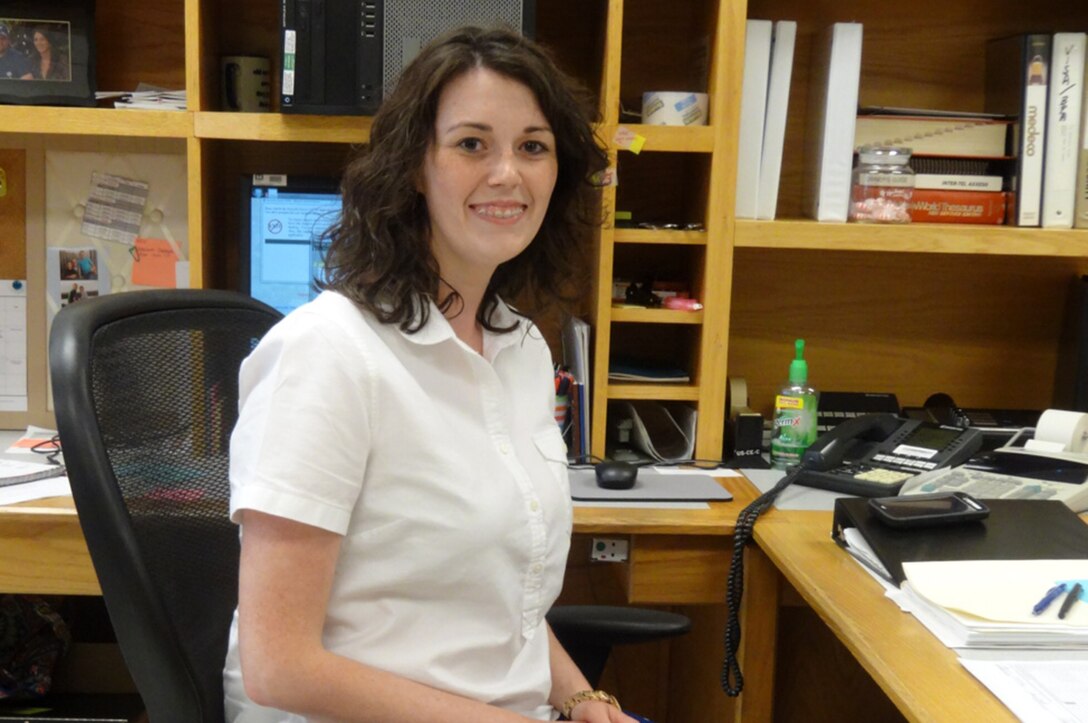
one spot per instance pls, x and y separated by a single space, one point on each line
1044 686
13 389
998 590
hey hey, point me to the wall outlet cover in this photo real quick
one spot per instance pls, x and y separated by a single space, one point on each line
606 549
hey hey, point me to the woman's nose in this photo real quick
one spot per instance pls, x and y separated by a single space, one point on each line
504 171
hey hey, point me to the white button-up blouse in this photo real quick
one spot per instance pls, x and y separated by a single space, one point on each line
445 472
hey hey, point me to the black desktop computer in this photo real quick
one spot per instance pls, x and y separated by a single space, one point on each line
341 57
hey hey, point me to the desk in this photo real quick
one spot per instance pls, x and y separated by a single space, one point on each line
44 551
677 557
920 675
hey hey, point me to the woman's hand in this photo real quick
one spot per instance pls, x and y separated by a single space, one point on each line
597 711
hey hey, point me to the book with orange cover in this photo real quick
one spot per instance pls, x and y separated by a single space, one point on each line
950 206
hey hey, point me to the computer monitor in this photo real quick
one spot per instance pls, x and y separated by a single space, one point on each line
283 222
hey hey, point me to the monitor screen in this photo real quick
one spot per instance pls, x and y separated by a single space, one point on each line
284 219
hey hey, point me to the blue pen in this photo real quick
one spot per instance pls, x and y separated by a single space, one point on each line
1050 596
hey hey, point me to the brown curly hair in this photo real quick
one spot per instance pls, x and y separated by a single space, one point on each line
379 251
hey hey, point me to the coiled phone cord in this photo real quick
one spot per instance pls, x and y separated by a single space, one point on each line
732 679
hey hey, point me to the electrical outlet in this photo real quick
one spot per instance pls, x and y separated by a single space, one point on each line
607 549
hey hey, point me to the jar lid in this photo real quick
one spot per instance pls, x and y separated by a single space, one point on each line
893 155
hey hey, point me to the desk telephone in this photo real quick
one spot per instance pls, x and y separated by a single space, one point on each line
875 454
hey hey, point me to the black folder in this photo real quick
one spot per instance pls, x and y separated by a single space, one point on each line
1015 530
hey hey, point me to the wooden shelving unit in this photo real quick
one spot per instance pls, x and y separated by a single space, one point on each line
971 310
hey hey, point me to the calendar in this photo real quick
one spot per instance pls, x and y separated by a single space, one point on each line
13 392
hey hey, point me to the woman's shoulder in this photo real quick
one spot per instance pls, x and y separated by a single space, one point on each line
330 315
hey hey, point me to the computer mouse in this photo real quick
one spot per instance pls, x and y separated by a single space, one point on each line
616 475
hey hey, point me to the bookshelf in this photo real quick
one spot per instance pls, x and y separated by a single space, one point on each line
974 311
931 288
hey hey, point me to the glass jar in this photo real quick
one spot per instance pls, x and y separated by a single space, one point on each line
883 184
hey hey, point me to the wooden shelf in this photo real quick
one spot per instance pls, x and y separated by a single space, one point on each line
664 236
657 392
676 139
930 238
95 121
280 127
656 316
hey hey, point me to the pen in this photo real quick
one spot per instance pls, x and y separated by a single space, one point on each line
1071 598
1050 596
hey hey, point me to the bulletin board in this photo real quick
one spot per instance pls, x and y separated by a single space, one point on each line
114 222
47 181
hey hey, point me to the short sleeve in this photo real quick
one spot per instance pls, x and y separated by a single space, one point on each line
300 447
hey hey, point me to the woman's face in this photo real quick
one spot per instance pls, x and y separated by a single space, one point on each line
488 174
41 42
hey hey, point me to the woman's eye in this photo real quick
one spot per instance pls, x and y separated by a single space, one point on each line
470 144
535 147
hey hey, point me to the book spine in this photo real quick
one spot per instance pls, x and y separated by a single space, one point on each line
950 206
774 126
957 181
1080 210
836 76
1035 69
1063 130
753 109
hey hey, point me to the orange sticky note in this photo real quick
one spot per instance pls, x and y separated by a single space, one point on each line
154 263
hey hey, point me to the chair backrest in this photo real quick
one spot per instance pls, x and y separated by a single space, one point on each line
145 388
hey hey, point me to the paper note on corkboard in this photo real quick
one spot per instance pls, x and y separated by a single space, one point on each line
12 213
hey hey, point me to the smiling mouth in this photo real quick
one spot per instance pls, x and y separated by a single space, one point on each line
503 212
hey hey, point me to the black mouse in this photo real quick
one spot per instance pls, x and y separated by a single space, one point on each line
616 475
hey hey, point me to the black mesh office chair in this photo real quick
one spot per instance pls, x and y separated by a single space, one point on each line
145 388
145 393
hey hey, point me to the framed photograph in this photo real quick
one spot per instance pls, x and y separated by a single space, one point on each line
47 52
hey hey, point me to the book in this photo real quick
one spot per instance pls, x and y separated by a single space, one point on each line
1016 83
774 125
934 135
1063 129
1080 209
836 73
13 473
753 106
952 206
957 181
636 370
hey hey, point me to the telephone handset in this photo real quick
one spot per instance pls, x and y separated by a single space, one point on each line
874 454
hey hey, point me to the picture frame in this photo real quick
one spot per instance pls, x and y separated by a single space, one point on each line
47 52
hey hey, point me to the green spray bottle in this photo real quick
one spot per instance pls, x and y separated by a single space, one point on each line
794 414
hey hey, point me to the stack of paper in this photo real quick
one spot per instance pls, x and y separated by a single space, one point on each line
146 98
988 603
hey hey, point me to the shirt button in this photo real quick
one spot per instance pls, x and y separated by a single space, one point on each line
504 448
537 568
534 506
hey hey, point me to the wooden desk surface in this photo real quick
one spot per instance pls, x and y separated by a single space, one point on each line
920 675
44 551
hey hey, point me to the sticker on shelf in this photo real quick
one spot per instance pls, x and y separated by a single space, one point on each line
627 140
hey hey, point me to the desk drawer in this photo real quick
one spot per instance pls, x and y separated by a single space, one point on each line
677 569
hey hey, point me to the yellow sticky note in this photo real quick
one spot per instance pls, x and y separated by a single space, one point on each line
627 140
154 264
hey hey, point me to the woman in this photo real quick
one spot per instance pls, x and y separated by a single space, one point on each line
398 476
47 62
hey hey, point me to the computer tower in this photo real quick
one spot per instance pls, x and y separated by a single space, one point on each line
341 57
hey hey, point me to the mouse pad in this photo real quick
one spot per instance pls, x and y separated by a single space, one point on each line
649 487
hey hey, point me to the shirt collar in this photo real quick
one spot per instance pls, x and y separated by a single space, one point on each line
438 329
